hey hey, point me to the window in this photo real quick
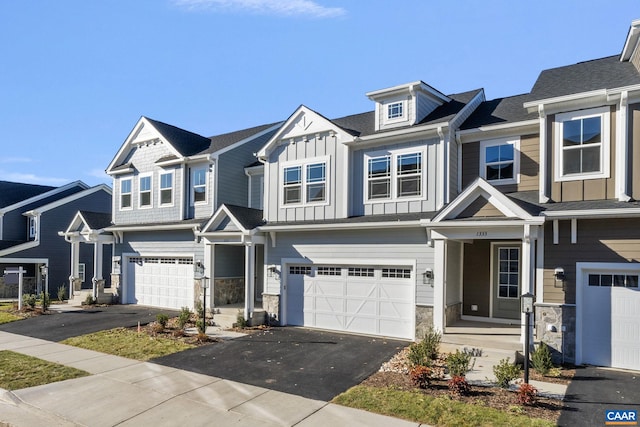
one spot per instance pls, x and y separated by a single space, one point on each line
297 269
508 272
396 273
199 185
33 227
81 270
145 191
394 175
166 189
618 280
360 272
305 183
582 144
125 194
499 162
395 110
329 271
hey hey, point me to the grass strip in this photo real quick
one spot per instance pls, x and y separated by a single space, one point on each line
127 343
441 411
21 371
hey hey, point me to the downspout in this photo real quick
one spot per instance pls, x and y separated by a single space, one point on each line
543 196
622 149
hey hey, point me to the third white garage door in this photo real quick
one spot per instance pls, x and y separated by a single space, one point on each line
160 282
366 300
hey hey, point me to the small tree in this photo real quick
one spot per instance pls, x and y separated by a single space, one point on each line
184 317
62 293
541 359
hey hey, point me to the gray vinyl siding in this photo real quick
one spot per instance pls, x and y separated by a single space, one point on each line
233 183
325 148
228 261
425 105
403 244
257 189
358 176
201 209
168 243
453 284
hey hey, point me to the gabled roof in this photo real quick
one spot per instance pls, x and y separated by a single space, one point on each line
604 73
69 198
528 200
243 219
500 111
225 140
185 142
96 220
34 196
14 192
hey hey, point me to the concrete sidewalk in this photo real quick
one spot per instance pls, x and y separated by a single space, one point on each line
127 392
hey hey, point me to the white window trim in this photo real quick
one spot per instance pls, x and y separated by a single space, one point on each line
206 186
394 175
605 158
33 227
165 205
150 191
82 271
385 112
130 193
516 159
303 190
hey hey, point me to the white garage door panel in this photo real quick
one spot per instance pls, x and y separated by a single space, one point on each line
160 282
368 305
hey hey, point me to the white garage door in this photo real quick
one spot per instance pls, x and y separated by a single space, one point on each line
160 282
367 300
611 319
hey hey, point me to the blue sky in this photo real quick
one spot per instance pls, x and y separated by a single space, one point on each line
76 75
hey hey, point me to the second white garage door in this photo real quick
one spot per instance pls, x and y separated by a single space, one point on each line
367 300
160 282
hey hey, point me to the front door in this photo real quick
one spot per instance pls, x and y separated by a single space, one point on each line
506 281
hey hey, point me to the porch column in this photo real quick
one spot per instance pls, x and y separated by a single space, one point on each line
97 267
249 266
528 263
439 281
75 259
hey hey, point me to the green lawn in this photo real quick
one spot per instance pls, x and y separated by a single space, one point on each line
127 343
5 316
21 371
441 411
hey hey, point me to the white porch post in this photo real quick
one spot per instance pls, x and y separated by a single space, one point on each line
528 263
97 267
439 281
249 265
75 260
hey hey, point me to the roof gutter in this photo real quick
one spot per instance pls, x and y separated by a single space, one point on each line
430 130
483 132
157 227
594 213
340 226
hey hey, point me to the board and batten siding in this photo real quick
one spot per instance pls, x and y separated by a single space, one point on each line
362 246
144 159
179 243
428 201
529 165
586 189
598 240
307 150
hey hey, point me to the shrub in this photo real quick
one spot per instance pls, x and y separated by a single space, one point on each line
90 300
459 363
199 309
162 319
541 359
29 300
184 317
62 293
45 301
421 376
423 352
505 372
202 328
527 394
241 322
458 385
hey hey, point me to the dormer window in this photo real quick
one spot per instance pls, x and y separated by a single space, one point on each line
395 110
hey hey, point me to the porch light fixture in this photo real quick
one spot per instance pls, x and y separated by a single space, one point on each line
526 306
198 270
558 274
427 277
44 270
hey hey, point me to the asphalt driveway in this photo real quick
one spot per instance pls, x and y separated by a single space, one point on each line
309 363
67 324
596 390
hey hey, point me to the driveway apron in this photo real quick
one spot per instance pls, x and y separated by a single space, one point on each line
309 363
596 390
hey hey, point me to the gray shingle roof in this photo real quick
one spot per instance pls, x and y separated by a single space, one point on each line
187 143
219 142
14 192
414 216
499 111
248 217
528 200
586 76
96 220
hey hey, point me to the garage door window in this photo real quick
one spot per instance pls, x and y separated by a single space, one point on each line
329 271
299 269
396 273
360 272
619 280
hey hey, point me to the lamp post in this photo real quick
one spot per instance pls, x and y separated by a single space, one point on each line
527 308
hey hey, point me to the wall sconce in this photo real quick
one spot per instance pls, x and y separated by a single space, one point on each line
198 270
427 277
44 270
272 271
558 274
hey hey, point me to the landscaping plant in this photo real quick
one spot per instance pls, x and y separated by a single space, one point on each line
421 376
241 322
459 363
425 351
62 293
90 300
527 394
458 385
541 359
29 300
184 317
45 301
505 372
162 320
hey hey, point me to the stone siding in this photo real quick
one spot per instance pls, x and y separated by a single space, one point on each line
424 320
271 306
116 288
453 313
550 320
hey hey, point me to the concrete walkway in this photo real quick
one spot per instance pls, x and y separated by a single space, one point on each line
127 392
